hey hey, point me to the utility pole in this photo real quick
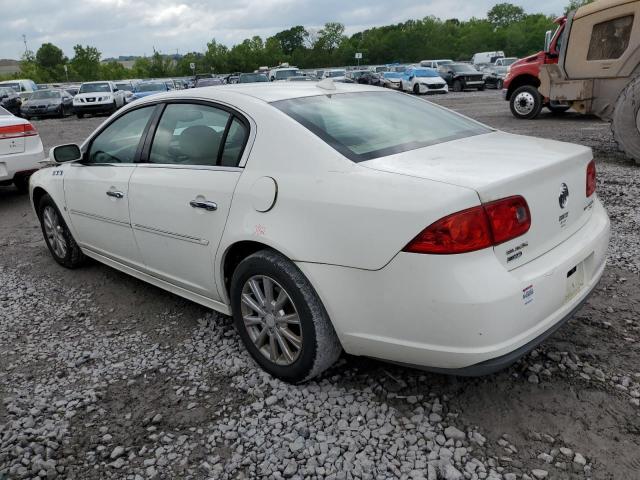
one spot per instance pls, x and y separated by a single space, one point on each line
24 40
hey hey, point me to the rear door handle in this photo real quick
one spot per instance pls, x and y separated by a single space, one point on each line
208 206
115 194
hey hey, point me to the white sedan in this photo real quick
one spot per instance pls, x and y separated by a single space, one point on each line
423 238
21 151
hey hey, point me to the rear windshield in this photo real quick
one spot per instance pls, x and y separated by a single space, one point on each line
284 74
402 122
151 87
94 87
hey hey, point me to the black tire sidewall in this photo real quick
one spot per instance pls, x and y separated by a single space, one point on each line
457 86
270 264
70 260
538 102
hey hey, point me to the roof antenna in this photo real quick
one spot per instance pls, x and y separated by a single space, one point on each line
326 84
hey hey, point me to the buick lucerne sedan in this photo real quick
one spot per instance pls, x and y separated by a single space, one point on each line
423 238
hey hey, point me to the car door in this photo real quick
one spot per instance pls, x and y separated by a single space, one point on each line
97 188
181 192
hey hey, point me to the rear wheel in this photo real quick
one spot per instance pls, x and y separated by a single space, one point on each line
626 121
457 86
526 102
57 236
280 318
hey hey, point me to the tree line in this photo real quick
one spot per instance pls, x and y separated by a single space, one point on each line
507 27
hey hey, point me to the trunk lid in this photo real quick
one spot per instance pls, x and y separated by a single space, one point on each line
550 175
10 140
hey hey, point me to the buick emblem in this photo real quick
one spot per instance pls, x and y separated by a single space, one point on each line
564 195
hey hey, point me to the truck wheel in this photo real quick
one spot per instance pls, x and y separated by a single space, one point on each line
526 103
457 86
626 120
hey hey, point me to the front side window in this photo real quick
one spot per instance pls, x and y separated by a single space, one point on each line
610 39
402 122
119 141
192 134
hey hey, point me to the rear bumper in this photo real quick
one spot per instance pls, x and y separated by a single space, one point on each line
463 314
19 164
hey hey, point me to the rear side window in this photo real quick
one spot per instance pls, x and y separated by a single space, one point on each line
193 134
610 39
368 125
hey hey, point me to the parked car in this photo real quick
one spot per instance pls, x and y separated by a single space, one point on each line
282 73
72 90
494 76
379 68
20 85
10 100
208 82
20 150
486 57
97 97
302 78
252 78
505 62
422 80
145 89
461 76
391 79
47 103
256 201
336 74
435 64
365 77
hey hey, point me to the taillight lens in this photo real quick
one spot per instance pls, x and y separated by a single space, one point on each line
591 178
17 131
473 229
509 218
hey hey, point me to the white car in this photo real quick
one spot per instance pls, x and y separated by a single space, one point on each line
98 97
336 74
422 81
20 150
422 238
283 73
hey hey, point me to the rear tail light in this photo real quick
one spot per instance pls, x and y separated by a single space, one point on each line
591 178
473 229
17 131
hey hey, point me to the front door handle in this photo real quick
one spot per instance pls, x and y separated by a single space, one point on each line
115 194
208 206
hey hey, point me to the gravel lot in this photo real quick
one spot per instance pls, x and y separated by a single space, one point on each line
103 376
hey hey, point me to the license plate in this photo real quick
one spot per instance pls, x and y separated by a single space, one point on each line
575 281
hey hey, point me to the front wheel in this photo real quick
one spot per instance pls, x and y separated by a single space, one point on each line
57 236
526 102
457 86
416 89
280 318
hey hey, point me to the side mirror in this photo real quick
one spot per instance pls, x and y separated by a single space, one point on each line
65 153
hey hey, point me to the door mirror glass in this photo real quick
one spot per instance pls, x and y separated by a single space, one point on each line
547 40
66 153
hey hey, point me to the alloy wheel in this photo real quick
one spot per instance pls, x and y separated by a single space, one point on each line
524 103
271 320
55 231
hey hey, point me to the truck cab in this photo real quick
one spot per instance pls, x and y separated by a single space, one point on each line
520 87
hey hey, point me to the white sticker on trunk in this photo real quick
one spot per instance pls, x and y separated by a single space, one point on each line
527 295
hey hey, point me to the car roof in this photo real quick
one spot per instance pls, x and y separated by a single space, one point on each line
267 92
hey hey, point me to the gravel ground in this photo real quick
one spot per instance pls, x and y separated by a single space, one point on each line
103 376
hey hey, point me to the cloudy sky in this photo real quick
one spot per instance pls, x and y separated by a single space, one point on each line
135 27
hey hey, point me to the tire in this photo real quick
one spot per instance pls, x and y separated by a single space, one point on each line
625 124
499 85
319 346
115 107
61 113
416 89
526 102
401 87
22 184
62 245
457 86
80 115
481 88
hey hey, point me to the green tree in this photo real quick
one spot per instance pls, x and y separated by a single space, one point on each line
50 61
330 36
85 63
292 39
504 14
113 70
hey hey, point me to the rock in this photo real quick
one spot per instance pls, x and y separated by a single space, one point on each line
454 433
290 469
533 378
117 452
539 474
579 459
